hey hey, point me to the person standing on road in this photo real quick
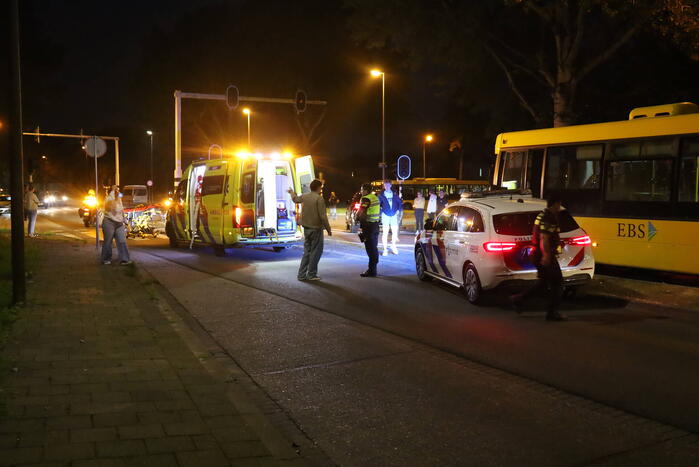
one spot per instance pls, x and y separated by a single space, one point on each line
391 206
333 201
442 201
31 206
546 242
369 215
419 209
113 228
313 219
431 205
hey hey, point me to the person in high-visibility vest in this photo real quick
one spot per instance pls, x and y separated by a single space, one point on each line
369 216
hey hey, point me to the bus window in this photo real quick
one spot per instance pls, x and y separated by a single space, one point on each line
573 167
247 189
640 171
689 176
512 170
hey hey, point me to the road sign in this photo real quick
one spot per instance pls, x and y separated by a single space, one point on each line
404 167
149 183
95 147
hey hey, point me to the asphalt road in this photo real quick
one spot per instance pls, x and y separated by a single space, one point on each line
395 371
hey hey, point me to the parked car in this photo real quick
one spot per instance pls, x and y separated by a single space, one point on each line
5 204
481 243
54 198
133 195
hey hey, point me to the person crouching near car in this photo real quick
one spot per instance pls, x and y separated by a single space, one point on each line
369 215
391 204
113 228
313 219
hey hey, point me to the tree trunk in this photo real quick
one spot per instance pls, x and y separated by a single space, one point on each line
562 97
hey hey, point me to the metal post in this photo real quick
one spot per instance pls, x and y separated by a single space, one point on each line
97 224
424 164
178 136
383 126
249 140
152 187
116 161
19 290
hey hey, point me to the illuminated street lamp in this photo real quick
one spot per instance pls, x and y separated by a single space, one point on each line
428 139
248 112
150 188
376 73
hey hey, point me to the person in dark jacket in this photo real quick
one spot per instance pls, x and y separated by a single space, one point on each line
442 201
391 205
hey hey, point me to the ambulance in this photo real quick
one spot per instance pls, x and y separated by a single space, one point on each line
239 201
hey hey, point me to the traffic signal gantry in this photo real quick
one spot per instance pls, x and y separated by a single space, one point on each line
232 98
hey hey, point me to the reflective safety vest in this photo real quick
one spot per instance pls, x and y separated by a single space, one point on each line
373 213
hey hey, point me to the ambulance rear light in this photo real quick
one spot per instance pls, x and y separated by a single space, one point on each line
583 240
497 247
242 218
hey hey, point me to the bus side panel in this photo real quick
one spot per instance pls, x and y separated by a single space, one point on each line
644 243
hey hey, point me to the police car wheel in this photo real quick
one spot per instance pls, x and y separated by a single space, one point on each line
421 266
472 284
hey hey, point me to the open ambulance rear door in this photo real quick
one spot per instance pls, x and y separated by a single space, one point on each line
304 174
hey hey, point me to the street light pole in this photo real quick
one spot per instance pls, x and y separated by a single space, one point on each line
428 139
247 112
376 74
150 188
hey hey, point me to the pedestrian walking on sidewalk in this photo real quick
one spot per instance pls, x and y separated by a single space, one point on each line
546 243
31 207
431 205
113 228
419 209
333 201
391 205
369 215
313 220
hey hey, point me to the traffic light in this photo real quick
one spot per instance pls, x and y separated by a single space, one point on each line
232 96
300 101
404 167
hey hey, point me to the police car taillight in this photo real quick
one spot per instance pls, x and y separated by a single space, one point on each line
497 247
581 241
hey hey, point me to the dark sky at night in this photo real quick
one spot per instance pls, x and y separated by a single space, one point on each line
111 68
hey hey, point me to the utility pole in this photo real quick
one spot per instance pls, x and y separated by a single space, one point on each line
19 290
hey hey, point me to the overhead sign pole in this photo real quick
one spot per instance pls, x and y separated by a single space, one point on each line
82 137
179 95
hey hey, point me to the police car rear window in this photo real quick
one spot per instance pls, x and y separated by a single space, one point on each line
522 223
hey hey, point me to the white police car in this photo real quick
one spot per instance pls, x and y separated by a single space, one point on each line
485 240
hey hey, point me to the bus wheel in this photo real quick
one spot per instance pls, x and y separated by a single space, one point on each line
472 284
278 249
219 250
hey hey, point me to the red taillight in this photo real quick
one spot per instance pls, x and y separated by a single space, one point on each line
581 241
242 218
357 205
497 247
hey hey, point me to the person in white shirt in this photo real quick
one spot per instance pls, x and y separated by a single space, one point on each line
432 206
31 206
113 228
419 208
391 205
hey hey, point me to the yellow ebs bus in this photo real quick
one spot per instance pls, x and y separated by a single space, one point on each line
632 185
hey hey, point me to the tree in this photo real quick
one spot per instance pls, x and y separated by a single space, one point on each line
544 48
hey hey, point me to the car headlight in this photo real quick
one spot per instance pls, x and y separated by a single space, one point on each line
64 198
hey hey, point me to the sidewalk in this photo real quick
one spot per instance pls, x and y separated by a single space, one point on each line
99 371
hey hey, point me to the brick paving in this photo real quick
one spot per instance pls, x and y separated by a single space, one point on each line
95 374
